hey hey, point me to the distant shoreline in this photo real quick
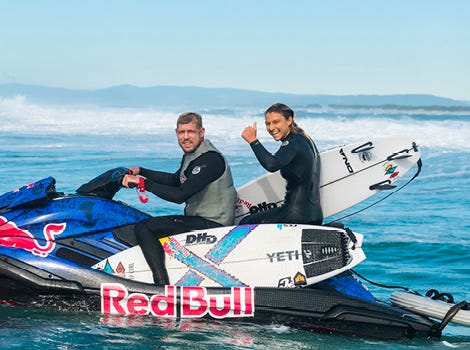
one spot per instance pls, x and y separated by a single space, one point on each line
199 97
404 108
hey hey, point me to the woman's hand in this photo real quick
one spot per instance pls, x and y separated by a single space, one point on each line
249 134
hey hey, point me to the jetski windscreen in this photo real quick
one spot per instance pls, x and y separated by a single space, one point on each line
105 185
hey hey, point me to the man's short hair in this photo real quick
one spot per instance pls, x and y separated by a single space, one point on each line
190 117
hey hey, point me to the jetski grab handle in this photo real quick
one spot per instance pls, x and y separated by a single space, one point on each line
109 183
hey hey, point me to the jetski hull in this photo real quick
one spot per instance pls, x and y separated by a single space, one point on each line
49 241
319 308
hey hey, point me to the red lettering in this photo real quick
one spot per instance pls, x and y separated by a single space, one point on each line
225 308
137 304
236 300
249 302
178 246
164 305
111 296
244 202
193 303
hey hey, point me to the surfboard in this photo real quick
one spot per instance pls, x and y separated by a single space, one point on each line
267 255
349 175
428 307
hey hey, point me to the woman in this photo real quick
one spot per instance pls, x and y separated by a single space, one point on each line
299 163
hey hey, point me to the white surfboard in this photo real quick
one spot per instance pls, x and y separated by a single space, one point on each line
268 255
349 175
428 307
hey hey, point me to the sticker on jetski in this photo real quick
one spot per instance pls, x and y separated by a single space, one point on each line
194 302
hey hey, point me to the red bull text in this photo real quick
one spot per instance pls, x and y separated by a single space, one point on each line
195 302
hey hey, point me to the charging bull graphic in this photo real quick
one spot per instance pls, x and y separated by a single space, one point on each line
14 237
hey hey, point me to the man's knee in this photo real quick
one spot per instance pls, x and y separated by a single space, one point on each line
156 227
144 230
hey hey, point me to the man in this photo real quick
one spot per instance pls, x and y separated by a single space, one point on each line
204 181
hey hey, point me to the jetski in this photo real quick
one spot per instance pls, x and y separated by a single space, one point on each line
51 242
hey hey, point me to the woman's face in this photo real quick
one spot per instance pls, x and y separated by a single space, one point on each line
277 125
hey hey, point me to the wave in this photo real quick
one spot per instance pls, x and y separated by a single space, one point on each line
329 128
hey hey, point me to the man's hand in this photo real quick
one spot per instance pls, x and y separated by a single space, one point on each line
127 179
134 171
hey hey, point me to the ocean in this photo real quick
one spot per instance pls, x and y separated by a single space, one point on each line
416 238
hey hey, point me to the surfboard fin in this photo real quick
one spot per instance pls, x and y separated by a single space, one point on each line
334 224
437 330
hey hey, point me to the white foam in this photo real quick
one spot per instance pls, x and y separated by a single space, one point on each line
328 129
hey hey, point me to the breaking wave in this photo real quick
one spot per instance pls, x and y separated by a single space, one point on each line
329 128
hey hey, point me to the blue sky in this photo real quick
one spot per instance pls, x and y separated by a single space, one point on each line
312 47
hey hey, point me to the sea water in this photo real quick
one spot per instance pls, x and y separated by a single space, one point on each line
417 238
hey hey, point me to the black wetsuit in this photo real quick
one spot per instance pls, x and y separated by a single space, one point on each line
299 164
168 186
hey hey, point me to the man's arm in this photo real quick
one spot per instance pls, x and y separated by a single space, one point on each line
161 177
201 172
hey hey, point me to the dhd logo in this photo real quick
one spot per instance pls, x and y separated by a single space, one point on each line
200 238
262 207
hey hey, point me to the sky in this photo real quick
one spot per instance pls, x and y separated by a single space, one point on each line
296 46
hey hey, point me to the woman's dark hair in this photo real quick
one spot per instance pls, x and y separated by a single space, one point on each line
281 108
287 112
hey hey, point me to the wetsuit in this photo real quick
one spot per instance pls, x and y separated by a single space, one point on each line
299 163
206 173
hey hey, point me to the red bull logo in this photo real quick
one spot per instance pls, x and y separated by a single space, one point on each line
172 247
14 237
31 185
241 203
195 302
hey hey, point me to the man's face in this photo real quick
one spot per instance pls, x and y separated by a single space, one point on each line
189 136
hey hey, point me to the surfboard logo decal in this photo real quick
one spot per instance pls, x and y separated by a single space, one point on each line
300 279
200 238
365 156
390 170
346 161
120 270
262 207
107 268
172 247
289 282
190 278
226 245
191 301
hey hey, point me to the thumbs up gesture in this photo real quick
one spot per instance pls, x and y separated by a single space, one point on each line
249 133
